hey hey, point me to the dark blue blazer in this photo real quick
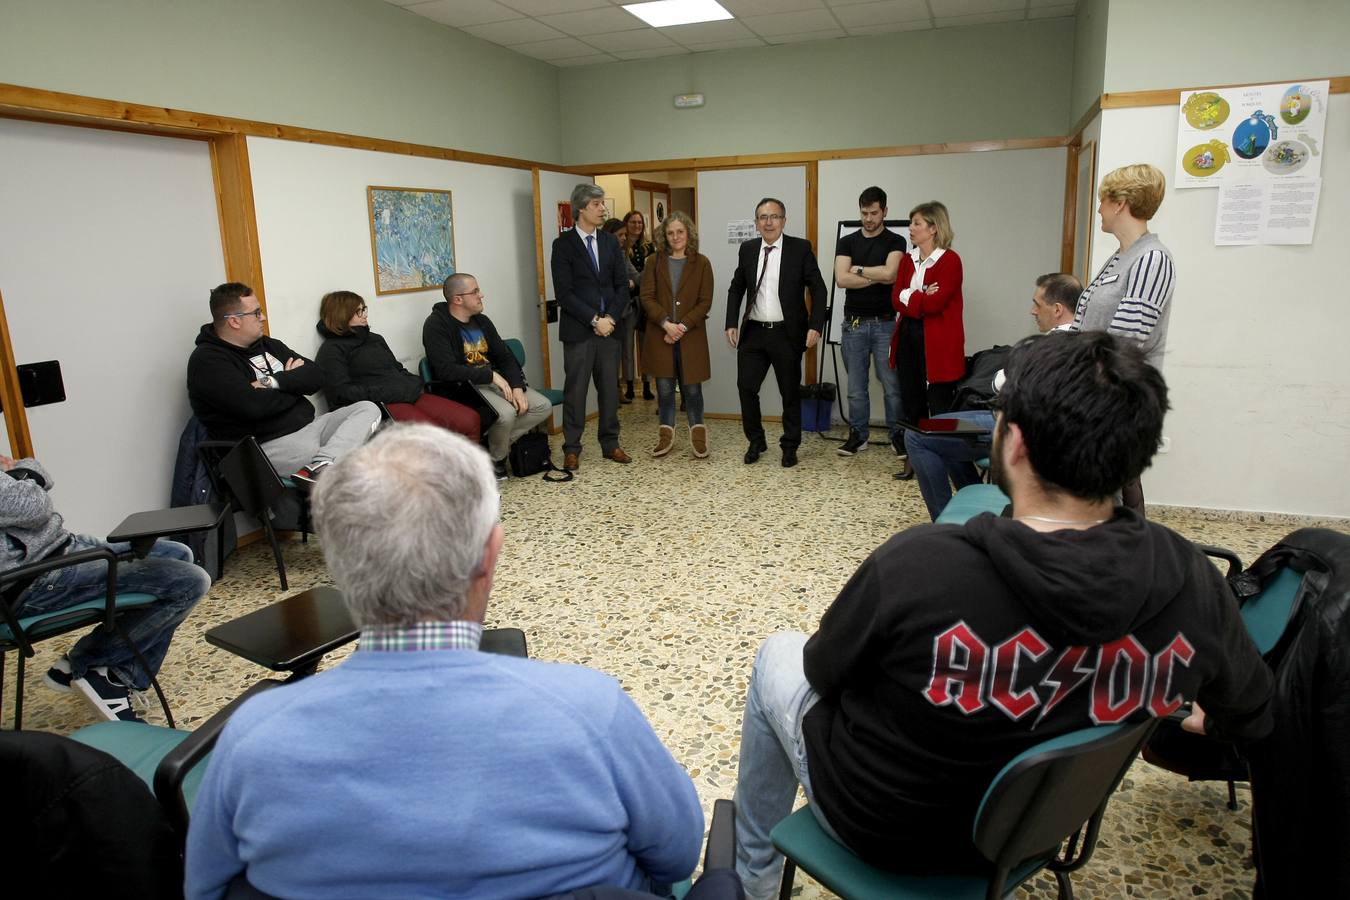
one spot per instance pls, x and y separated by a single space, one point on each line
581 293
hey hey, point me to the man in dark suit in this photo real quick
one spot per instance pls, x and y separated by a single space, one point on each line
591 283
773 275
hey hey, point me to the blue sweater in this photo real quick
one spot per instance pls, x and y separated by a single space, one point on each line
447 773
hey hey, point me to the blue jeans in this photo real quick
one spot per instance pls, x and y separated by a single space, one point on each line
665 402
940 462
772 761
167 572
870 338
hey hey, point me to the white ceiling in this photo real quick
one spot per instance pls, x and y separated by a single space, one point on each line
586 32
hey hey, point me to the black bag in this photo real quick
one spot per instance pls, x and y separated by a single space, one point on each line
976 389
530 455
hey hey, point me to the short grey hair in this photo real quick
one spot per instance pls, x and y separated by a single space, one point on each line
404 521
456 284
583 194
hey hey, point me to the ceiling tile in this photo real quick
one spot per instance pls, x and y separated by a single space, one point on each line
460 13
707 32
726 45
1050 12
549 7
1035 3
594 21
946 9
792 22
645 39
805 36
889 12
892 28
559 48
403 2
649 54
979 18
742 8
516 31
592 60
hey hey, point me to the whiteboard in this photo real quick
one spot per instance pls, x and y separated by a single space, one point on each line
846 227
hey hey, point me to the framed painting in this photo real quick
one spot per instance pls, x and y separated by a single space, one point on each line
412 238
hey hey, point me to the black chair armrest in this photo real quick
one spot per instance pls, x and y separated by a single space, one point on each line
721 851
179 761
17 580
1234 561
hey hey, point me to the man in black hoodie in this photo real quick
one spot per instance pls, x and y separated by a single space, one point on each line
954 648
241 382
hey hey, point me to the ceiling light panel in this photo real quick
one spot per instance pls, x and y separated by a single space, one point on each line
661 13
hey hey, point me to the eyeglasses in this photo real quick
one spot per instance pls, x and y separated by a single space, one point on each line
255 313
362 310
478 291
771 217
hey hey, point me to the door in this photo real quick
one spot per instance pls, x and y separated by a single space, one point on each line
553 216
726 203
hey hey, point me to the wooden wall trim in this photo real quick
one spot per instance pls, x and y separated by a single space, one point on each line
542 293
797 158
33 103
238 219
1340 84
1093 110
16 417
812 221
1070 208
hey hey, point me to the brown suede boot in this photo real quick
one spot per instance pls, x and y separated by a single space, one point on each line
698 440
664 441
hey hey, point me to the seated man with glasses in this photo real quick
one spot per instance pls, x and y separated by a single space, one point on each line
242 382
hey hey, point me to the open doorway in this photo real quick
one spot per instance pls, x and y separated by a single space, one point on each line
652 193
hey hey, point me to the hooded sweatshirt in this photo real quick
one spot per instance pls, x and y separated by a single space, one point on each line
954 648
220 388
359 365
471 351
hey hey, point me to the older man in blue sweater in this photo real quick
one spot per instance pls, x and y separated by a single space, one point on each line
421 766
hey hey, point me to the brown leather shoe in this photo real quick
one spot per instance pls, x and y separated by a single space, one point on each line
571 462
618 455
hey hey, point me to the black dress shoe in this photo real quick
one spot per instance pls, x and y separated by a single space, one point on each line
753 451
904 476
789 458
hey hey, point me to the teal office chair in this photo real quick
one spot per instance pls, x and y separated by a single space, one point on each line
20 633
1055 792
554 395
972 500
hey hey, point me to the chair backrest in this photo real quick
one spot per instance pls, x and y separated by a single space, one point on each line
1048 792
424 369
252 481
1267 614
517 350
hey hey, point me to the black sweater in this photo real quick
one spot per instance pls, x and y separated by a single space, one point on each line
220 380
443 339
954 648
359 365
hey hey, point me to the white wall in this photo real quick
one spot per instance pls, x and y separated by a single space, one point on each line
109 245
314 234
1255 352
1006 209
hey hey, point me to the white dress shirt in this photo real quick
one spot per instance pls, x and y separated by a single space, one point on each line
765 305
920 269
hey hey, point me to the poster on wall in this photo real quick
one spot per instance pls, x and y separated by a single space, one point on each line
1282 211
1249 133
565 222
412 238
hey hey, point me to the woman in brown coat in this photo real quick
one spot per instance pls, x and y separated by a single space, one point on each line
677 289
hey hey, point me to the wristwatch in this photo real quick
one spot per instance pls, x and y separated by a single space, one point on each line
267 381
857 270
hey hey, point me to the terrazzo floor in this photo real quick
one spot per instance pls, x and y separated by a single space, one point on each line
667 574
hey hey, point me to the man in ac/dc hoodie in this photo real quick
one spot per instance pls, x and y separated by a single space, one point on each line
954 648
241 382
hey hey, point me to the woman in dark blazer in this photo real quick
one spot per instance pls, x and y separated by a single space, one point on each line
358 365
928 350
677 286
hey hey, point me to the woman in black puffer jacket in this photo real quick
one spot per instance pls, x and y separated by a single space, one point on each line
358 365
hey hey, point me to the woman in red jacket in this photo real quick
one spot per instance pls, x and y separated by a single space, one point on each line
928 350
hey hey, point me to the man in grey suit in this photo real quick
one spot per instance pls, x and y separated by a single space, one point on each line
591 283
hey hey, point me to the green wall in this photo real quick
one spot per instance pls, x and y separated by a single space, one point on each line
1089 56
356 66
1155 44
952 84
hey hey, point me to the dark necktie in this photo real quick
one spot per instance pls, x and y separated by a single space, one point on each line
595 264
759 282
